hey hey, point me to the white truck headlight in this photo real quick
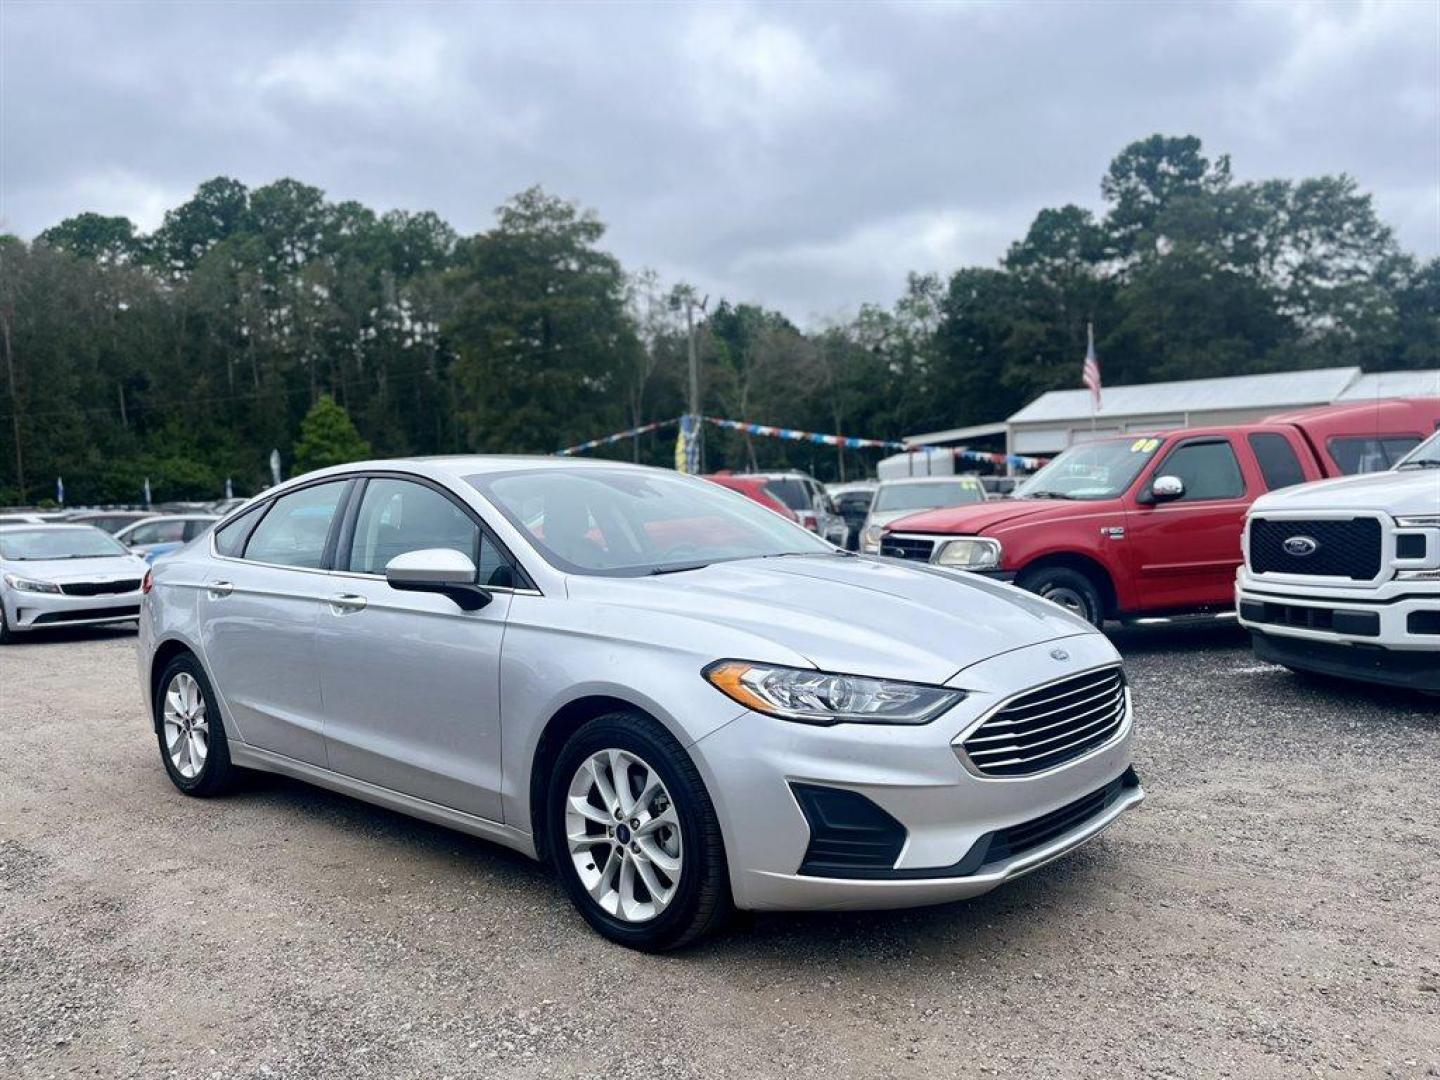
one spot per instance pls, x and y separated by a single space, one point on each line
20 584
818 697
870 538
970 553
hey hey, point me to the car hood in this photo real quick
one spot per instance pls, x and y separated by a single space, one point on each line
1403 493
61 570
982 517
849 614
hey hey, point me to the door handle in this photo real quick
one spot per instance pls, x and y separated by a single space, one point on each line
344 603
218 590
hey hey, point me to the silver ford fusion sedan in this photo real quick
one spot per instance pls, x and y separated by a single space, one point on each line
681 700
65 575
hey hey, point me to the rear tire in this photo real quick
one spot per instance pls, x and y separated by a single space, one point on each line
1070 589
656 885
191 735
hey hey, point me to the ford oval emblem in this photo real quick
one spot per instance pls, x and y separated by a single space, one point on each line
1300 546
1059 654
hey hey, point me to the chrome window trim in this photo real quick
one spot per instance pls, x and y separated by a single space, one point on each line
363 474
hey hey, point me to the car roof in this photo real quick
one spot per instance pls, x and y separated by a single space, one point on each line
51 526
197 516
906 480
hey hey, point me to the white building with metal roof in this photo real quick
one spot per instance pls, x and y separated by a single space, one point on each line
1060 418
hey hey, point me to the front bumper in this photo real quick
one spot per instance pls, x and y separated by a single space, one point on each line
41 611
914 775
1389 633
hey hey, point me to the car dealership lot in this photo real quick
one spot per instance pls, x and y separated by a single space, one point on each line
1273 909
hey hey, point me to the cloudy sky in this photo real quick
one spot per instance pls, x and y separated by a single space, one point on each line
803 155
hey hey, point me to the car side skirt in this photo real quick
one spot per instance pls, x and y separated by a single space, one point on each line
251 757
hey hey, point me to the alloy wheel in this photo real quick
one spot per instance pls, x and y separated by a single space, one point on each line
624 835
187 729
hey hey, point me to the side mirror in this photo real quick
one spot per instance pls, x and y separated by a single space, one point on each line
438 570
1166 488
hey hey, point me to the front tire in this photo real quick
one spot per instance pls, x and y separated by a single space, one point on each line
191 735
634 837
6 634
1070 589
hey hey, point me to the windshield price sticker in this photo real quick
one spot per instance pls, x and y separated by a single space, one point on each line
1144 446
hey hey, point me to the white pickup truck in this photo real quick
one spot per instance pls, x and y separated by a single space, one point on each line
1342 577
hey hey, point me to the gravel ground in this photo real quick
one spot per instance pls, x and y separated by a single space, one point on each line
1272 910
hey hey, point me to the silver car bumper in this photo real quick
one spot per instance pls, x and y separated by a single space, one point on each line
42 611
916 777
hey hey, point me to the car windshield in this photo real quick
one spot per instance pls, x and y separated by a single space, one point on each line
931 495
1099 470
32 545
626 522
1424 456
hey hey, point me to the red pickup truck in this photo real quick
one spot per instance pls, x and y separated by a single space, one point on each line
1149 525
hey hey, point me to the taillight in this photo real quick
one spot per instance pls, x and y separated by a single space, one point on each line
145 585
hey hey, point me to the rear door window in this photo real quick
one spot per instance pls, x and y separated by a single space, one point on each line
1279 464
156 532
1209 470
294 532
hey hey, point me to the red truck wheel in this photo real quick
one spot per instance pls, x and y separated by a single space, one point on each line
1070 589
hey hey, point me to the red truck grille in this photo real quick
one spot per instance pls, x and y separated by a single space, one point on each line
915 548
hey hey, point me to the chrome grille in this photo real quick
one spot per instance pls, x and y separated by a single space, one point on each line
1050 726
915 548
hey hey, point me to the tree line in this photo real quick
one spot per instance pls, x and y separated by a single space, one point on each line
186 354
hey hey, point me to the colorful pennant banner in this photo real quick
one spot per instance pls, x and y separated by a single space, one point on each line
849 442
619 436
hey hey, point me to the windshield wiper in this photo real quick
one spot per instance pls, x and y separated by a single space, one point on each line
656 571
1421 463
1046 495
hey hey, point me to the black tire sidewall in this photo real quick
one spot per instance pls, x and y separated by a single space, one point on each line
1041 580
215 773
641 736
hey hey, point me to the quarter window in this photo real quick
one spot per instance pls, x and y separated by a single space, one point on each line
230 539
397 516
1209 470
1278 463
293 533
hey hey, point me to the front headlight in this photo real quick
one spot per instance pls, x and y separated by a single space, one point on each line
971 553
20 584
818 697
1425 521
870 538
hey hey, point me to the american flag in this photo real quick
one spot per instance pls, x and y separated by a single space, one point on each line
1090 373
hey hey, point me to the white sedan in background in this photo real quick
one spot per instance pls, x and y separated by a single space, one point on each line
895 499
65 575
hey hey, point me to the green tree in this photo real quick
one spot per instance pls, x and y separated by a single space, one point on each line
104 239
327 437
540 329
